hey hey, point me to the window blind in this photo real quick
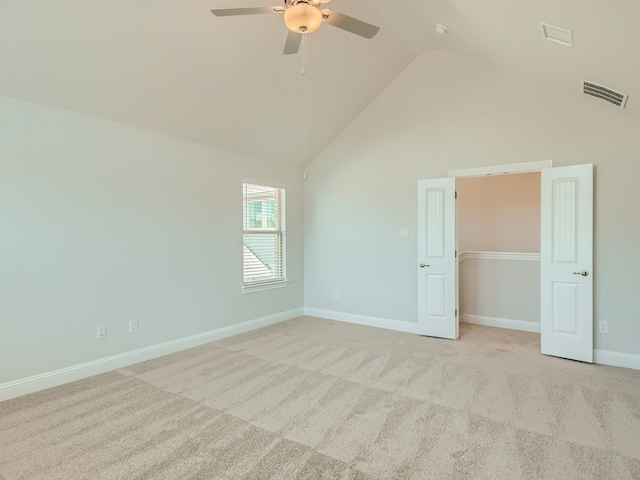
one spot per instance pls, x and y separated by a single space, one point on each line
263 245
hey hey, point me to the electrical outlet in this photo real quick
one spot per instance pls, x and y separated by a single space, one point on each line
133 325
102 332
336 295
404 233
603 327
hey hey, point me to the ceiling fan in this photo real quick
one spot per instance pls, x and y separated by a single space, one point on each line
305 16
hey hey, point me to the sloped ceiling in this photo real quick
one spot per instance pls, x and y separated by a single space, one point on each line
171 67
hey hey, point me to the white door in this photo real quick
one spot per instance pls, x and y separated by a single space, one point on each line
437 262
566 262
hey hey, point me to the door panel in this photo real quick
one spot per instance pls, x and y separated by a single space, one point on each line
566 262
437 265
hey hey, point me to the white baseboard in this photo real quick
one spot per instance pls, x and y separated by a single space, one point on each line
42 381
615 359
524 325
399 325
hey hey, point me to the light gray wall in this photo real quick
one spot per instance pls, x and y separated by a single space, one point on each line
447 112
101 223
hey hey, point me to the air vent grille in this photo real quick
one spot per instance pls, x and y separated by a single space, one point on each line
557 34
616 98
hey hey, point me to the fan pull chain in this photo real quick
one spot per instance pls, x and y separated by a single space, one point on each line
306 128
304 54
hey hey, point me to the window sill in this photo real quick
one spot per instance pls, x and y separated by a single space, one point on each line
264 286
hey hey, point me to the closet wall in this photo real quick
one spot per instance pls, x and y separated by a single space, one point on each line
499 250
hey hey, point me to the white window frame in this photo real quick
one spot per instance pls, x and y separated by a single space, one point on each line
250 190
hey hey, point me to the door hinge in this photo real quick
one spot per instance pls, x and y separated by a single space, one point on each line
456 312
456 195
455 253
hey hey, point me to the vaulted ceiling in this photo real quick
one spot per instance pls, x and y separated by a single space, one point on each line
171 67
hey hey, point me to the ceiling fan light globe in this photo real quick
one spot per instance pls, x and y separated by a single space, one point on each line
302 18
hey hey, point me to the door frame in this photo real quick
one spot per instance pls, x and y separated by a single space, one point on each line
525 167
493 170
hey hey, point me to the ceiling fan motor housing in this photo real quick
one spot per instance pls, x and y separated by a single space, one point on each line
313 3
303 16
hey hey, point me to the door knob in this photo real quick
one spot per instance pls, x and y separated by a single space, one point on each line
422 265
584 273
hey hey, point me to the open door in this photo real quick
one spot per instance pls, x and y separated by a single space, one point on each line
566 262
437 263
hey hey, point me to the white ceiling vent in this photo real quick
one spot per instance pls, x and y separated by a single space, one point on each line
616 98
557 34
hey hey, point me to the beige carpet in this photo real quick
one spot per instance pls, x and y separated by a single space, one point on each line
316 399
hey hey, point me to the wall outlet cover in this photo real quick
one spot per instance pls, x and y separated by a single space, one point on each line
101 332
133 325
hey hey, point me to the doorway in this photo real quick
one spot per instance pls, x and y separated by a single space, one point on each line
498 233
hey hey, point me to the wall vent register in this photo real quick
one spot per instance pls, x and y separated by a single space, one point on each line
616 98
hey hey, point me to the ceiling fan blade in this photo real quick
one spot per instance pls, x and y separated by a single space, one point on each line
292 45
225 12
350 24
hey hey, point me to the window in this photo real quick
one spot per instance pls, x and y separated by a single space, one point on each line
263 239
